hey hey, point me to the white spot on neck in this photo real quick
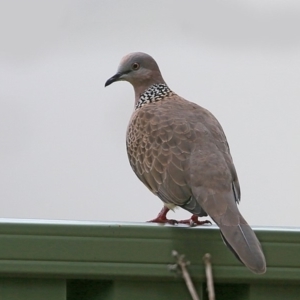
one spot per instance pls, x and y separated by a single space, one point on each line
154 93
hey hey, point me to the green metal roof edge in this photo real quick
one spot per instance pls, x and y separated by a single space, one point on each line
106 250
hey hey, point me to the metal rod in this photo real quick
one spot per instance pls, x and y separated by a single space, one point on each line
209 276
182 263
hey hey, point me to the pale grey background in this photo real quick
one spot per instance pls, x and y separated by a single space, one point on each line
62 134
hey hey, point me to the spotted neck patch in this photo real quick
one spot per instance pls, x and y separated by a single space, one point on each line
154 93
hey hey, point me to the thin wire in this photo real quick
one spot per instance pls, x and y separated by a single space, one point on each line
186 276
209 276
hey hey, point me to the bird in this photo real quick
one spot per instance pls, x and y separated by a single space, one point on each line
179 150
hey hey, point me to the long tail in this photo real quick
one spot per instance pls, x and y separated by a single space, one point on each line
242 241
236 233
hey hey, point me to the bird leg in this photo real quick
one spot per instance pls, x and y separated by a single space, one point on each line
193 221
162 217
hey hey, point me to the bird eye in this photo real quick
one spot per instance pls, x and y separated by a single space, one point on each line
135 66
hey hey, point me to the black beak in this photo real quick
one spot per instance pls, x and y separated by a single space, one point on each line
116 77
113 79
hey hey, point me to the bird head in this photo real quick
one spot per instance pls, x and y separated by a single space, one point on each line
140 69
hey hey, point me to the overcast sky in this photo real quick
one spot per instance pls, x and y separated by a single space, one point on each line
62 134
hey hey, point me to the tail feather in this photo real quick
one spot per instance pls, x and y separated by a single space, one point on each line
235 231
242 241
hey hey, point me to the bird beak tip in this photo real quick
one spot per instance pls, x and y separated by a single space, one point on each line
107 83
112 79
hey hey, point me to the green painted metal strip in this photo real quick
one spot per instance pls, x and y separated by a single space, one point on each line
92 250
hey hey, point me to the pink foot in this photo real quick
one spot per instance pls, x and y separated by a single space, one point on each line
193 221
162 218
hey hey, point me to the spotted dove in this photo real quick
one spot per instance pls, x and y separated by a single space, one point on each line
180 152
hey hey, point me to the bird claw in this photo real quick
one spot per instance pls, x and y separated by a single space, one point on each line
172 221
193 221
163 221
162 218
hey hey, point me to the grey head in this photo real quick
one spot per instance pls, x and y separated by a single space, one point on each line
140 69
